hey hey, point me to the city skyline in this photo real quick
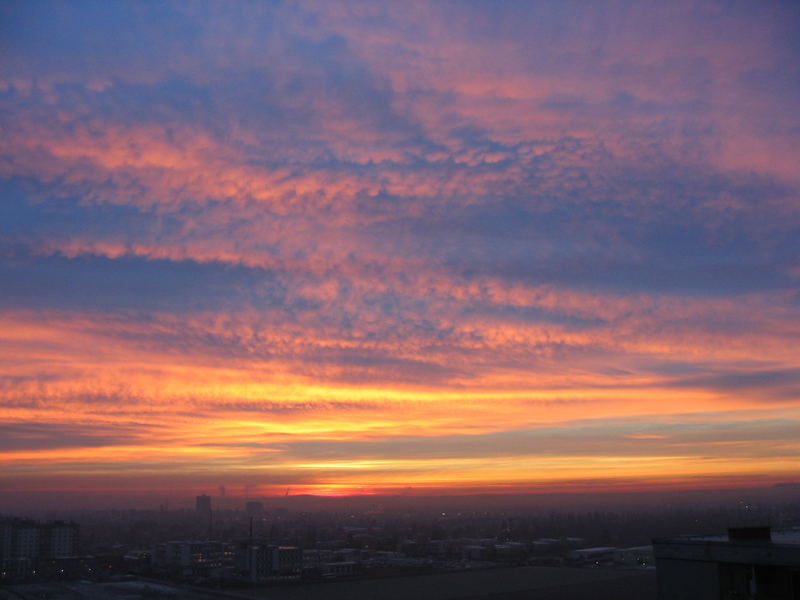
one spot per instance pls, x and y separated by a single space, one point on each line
419 248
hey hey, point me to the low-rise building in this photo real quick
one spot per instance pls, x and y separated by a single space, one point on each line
341 569
638 556
194 558
599 555
262 562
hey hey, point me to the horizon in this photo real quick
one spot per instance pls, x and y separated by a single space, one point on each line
375 249
38 503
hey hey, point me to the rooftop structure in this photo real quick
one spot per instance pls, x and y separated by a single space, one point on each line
747 563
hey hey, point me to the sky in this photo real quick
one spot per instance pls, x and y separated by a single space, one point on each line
399 247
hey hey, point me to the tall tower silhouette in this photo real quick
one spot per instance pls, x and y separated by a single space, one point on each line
203 508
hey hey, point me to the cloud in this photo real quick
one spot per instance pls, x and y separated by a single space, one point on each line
343 223
28 436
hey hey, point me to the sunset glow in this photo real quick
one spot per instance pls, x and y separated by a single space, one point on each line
399 247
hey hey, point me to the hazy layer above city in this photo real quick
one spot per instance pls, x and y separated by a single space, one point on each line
48 503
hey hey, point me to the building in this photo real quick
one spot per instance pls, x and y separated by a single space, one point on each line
60 539
203 509
261 561
638 556
595 556
203 504
199 559
24 544
341 569
748 563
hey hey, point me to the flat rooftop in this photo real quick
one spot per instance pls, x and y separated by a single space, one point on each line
788 537
753 546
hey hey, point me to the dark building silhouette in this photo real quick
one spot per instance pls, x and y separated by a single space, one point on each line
747 564
203 508
203 504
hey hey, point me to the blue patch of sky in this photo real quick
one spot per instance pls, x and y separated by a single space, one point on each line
101 284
